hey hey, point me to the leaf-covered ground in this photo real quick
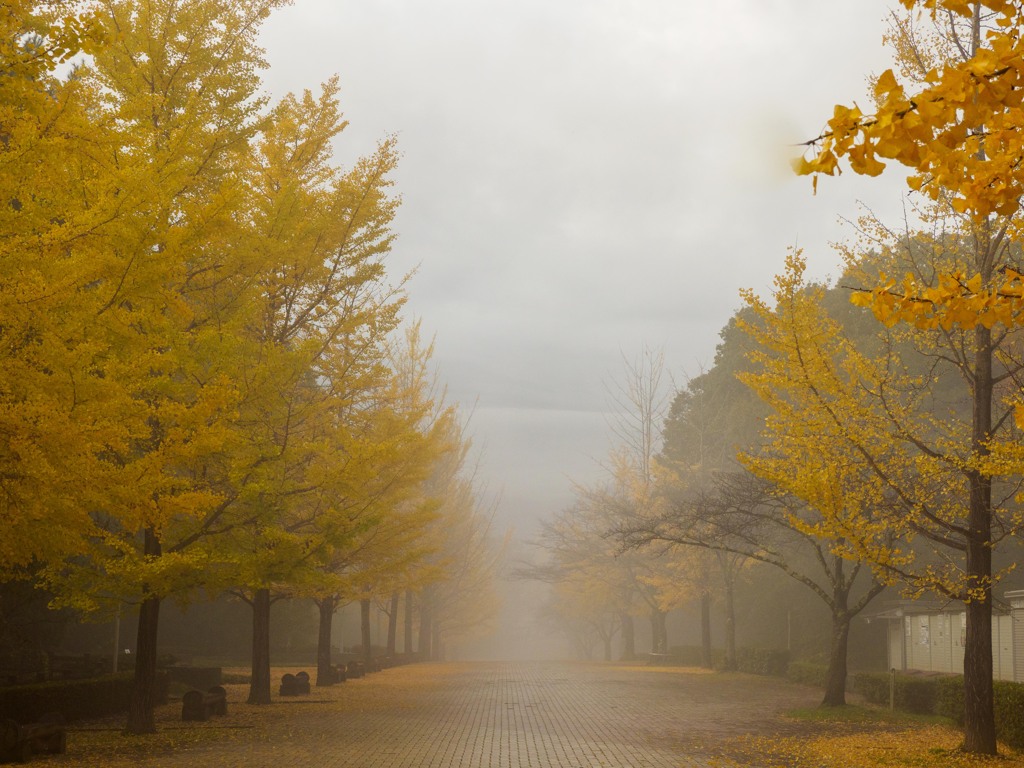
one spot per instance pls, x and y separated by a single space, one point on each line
103 743
865 739
293 732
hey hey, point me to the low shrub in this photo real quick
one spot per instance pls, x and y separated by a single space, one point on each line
686 655
1009 705
74 699
917 694
946 695
913 693
873 686
200 678
762 661
755 661
949 701
807 673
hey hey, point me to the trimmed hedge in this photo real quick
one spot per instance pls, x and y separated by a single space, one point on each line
944 695
756 661
75 699
913 693
1009 701
686 655
200 678
807 673
949 699
762 661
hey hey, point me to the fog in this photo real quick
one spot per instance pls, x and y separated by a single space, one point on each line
581 179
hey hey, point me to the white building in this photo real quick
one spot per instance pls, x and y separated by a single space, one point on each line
928 637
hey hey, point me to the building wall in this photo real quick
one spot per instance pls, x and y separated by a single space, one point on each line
1018 645
1002 647
935 643
897 658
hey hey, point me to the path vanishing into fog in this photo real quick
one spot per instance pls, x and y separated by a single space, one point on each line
497 715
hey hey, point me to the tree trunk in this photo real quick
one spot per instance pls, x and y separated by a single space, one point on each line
607 640
324 669
835 677
705 630
259 685
364 622
393 625
437 647
141 705
628 638
659 634
407 645
979 714
835 683
730 627
426 628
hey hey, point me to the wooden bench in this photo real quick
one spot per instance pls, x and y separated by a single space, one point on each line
18 742
201 705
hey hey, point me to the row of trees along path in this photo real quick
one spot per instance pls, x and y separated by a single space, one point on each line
889 453
205 384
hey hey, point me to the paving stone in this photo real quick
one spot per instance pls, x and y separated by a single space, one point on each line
511 715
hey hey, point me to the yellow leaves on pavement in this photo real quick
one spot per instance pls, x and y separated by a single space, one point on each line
864 746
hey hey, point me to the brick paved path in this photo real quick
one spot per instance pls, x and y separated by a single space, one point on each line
506 715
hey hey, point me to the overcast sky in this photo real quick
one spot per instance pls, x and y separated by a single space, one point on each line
581 178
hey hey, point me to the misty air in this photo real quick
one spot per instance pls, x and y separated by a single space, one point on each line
499 384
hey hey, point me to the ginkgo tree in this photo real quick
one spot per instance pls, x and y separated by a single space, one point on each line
314 418
54 408
582 541
144 367
196 298
197 385
454 584
717 511
383 495
831 457
957 130
594 591
639 401
877 438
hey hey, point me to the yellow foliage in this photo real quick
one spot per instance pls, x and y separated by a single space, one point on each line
845 433
937 128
